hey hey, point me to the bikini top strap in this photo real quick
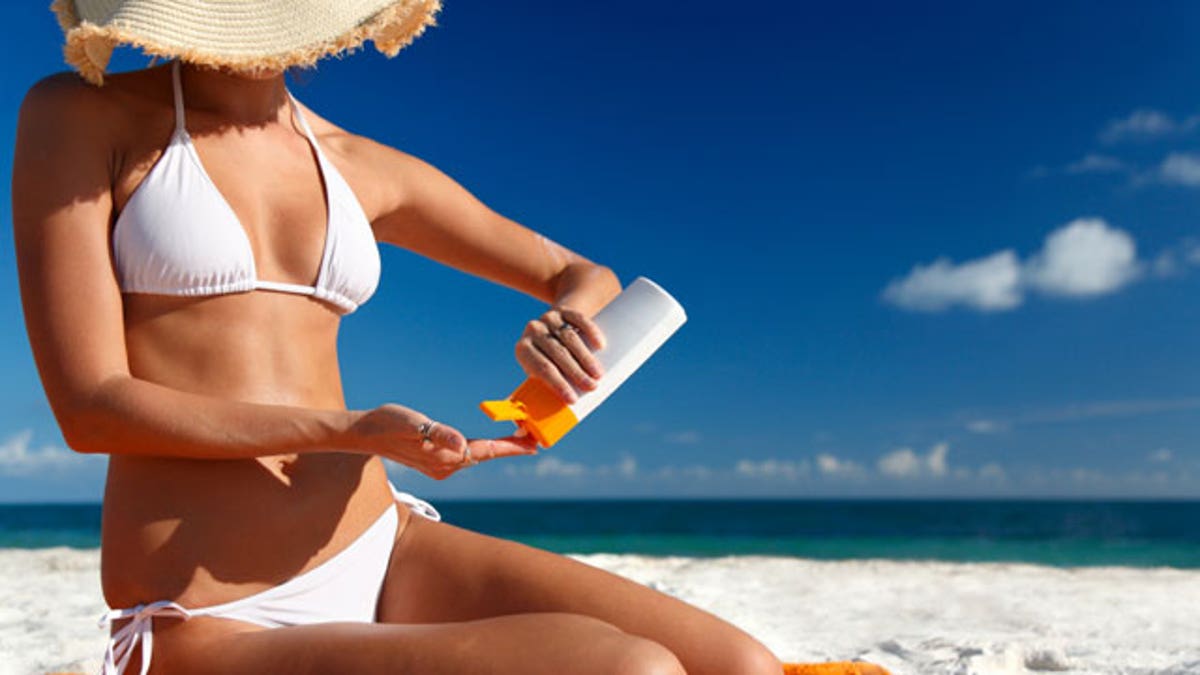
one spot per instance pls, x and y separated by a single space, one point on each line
180 122
300 116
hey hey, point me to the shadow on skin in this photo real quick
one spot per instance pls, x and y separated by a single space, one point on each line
193 531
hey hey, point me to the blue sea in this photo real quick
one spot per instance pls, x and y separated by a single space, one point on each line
1060 533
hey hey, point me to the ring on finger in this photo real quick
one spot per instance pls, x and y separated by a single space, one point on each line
564 327
468 460
426 429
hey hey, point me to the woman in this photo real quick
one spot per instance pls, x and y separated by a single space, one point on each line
188 238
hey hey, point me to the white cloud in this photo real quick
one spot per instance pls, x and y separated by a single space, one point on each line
1084 258
982 426
1191 252
1105 409
993 472
1155 483
905 463
936 460
986 284
18 459
1145 124
687 437
1082 412
1173 262
553 466
691 472
627 467
1166 265
772 468
832 466
1091 163
1161 455
1180 168
902 463
1094 163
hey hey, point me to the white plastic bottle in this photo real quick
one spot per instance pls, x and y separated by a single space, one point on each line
635 324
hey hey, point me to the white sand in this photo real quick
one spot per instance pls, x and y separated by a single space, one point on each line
912 617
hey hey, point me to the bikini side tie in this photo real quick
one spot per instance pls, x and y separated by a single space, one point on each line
140 629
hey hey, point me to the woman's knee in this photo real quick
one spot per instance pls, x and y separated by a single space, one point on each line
640 656
749 656
605 648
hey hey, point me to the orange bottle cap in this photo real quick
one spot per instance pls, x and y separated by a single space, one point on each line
535 408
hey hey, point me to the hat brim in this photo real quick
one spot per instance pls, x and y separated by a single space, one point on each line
268 35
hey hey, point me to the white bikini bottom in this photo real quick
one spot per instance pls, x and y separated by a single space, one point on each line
344 588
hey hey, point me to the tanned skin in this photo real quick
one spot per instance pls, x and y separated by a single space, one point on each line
234 462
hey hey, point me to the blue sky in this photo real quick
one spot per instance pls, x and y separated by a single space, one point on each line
932 249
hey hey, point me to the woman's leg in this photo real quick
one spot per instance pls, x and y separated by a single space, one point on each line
527 643
440 573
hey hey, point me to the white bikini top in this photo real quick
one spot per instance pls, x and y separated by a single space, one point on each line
178 235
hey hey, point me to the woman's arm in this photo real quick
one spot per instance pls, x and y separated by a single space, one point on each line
61 196
427 212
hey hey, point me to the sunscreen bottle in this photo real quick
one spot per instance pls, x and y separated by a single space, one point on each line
635 324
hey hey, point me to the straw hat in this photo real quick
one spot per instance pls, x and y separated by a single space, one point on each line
238 34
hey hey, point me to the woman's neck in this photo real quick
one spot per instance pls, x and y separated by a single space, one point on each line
239 98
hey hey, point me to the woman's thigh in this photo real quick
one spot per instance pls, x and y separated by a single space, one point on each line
525 643
441 573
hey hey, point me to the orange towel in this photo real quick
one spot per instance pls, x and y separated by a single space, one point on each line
839 668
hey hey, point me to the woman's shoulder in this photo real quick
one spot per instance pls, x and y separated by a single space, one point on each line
62 93
64 117
333 137
73 103
364 153
352 152
71 118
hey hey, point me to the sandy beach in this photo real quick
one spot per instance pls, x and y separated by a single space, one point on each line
913 617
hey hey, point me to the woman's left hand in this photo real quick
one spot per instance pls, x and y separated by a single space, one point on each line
556 348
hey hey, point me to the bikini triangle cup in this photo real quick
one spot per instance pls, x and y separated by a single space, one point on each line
178 235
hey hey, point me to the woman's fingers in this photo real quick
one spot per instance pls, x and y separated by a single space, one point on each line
478 450
555 349
579 334
572 339
538 364
443 436
484 449
434 448
587 328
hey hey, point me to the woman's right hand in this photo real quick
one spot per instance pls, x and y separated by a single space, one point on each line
394 432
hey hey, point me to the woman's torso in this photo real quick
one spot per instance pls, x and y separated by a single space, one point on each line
202 532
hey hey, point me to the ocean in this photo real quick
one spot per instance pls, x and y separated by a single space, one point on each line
1057 533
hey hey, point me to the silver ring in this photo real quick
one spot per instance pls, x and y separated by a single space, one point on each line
563 327
467 458
426 429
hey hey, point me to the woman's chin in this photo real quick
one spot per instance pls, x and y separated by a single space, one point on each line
254 73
